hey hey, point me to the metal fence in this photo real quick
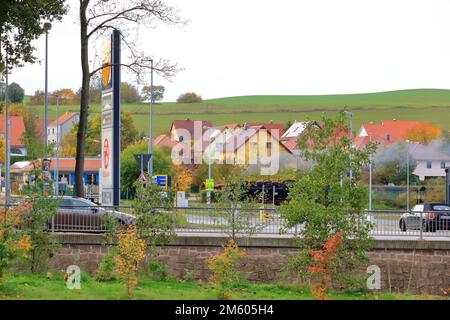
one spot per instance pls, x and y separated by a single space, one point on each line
385 223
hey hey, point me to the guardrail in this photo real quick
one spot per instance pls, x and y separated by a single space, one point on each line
248 221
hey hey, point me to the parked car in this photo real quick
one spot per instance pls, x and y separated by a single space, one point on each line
428 216
79 214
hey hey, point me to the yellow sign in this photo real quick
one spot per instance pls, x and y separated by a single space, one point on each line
209 185
106 63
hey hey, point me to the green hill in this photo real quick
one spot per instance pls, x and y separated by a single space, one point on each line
432 105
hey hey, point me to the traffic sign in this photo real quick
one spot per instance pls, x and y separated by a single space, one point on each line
209 185
162 180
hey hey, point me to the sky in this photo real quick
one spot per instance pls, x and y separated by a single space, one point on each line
283 47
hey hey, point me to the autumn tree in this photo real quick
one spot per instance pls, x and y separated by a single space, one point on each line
67 97
325 200
129 93
128 135
423 133
37 99
21 22
99 17
189 97
158 93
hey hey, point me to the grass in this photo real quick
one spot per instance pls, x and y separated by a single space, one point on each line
38 287
432 105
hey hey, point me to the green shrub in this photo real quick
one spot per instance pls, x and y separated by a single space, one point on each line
106 267
216 195
157 270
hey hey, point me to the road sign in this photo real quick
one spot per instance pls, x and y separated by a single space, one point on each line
209 185
142 178
142 160
162 181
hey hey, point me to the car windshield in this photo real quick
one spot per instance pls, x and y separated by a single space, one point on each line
418 207
441 207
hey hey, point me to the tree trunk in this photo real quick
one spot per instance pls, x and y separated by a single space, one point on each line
84 101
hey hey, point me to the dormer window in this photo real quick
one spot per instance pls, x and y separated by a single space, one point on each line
388 137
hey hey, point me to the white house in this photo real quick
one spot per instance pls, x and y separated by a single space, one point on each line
431 163
66 122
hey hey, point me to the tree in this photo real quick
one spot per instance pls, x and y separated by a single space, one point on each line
97 17
15 93
128 135
129 93
67 97
130 170
189 97
21 22
37 99
158 93
423 133
32 138
324 200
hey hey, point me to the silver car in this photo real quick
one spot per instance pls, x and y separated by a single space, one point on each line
79 214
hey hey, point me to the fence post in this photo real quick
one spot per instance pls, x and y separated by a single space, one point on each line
421 225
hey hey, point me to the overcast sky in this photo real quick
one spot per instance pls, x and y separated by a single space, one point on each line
253 47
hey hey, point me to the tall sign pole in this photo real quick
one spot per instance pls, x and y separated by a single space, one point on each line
7 142
110 148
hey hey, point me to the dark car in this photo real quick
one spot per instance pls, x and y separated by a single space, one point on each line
428 216
79 214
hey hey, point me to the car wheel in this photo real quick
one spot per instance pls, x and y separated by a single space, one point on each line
402 225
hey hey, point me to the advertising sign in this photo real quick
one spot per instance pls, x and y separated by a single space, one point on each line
110 143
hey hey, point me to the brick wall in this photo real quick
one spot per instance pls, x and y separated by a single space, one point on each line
409 266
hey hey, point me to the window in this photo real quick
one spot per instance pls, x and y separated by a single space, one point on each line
53 130
388 137
442 164
428 164
269 145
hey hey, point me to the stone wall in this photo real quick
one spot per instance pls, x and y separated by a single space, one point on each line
414 266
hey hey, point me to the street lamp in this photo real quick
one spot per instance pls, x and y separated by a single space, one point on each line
47 28
7 142
407 171
150 140
348 113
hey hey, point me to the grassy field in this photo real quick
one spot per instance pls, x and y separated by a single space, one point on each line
38 287
432 105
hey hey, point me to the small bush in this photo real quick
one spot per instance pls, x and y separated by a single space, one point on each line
130 251
215 196
105 271
157 270
224 268
189 97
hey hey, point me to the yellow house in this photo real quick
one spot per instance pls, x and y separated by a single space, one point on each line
256 146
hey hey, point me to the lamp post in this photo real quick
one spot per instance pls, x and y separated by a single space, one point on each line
47 27
7 140
407 171
351 133
57 147
150 141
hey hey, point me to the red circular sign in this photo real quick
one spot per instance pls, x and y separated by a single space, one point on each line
106 153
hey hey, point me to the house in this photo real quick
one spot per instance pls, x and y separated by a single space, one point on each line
188 130
164 141
430 162
17 126
23 172
256 146
385 133
291 135
66 122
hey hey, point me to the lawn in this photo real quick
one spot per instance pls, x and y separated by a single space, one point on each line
432 105
38 287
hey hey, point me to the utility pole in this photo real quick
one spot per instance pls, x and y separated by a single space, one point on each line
7 142
57 147
350 114
47 27
150 141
